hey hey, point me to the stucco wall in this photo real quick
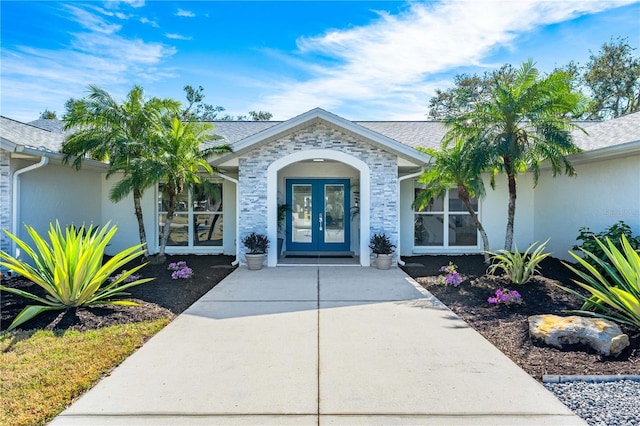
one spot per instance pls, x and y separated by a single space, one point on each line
602 194
123 215
253 176
56 192
5 199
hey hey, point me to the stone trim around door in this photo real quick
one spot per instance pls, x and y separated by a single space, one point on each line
365 190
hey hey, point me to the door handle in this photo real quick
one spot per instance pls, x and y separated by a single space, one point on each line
320 220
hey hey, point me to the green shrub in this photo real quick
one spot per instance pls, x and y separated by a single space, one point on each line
518 267
613 233
71 271
615 294
256 243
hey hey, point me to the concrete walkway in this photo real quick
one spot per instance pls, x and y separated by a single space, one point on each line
317 345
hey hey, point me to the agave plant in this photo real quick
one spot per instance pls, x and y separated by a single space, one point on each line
615 294
70 270
518 267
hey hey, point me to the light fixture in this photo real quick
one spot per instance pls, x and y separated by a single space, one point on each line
318 160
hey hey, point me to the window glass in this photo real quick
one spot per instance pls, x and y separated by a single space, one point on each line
456 204
462 231
435 205
179 233
428 230
208 229
198 219
445 222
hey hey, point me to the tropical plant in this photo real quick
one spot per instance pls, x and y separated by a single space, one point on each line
178 160
614 233
459 165
615 294
71 271
381 244
519 267
256 243
106 130
523 122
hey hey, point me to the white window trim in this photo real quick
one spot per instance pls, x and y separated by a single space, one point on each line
446 213
190 248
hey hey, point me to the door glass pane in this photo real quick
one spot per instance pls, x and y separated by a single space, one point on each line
334 214
208 229
428 230
462 231
179 233
301 213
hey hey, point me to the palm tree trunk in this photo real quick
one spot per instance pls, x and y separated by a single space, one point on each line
464 196
137 196
167 222
511 212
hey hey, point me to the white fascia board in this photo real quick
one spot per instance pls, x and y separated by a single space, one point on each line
602 154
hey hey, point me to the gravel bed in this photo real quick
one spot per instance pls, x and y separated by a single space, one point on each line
611 403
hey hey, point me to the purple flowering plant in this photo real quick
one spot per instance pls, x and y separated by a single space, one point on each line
180 270
506 297
182 274
176 266
131 278
450 276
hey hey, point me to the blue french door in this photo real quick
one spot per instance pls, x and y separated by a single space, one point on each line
318 216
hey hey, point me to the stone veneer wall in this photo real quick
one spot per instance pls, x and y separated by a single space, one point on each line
253 178
5 199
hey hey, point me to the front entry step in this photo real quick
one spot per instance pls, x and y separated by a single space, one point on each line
321 254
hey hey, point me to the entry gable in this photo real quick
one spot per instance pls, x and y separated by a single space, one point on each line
320 116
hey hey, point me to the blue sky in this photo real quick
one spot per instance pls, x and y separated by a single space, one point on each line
363 60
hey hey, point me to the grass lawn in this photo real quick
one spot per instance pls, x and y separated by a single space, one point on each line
42 372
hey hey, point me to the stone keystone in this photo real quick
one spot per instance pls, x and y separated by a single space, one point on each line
602 335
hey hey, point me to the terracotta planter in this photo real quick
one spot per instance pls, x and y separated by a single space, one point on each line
383 261
254 261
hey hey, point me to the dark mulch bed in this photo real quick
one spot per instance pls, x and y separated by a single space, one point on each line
507 327
160 298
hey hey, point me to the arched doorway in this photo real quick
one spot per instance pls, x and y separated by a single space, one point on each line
320 154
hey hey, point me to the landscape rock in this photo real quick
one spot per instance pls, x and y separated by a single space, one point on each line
603 335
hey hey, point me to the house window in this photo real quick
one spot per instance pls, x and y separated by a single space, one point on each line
444 222
198 218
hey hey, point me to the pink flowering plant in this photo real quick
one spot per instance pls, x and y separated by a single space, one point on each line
450 276
180 270
506 297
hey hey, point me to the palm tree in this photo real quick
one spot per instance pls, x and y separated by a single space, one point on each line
179 161
118 133
522 124
460 167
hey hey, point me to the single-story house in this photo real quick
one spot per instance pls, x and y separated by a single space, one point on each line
342 181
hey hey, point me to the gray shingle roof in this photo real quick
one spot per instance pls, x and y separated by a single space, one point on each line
30 136
609 133
48 134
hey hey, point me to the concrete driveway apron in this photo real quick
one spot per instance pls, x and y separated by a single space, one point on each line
317 345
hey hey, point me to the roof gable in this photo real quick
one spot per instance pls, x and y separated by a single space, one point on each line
318 115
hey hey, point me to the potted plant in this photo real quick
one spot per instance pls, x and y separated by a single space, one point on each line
257 245
383 249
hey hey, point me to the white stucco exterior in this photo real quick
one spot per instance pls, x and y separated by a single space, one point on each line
379 166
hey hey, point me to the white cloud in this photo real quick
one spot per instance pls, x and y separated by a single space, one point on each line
177 36
147 21
389 61
98 55
185 13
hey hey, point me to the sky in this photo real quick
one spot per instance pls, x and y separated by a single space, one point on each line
362 60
